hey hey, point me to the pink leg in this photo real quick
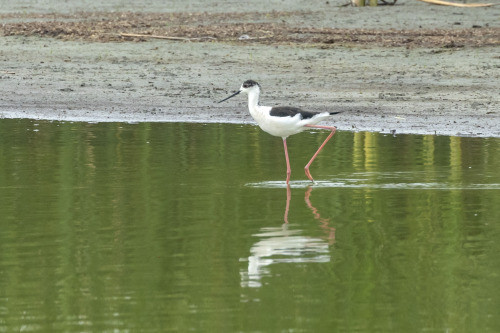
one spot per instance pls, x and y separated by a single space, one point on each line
288 169
331 128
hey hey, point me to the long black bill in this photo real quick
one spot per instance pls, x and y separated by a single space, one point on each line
225 99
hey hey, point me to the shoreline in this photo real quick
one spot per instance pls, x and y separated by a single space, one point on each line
436 90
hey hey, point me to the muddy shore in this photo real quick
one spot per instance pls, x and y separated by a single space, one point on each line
409 68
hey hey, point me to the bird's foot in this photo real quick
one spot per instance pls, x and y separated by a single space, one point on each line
308 173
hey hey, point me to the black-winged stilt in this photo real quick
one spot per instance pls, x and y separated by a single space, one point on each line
283 121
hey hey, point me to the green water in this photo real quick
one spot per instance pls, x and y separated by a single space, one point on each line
169 227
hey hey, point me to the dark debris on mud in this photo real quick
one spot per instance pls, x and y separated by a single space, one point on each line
227 27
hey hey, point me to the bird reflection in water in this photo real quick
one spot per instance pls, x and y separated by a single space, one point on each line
285 245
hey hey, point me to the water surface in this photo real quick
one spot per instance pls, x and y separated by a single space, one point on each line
171 227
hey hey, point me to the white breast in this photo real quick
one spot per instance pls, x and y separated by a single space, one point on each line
282 126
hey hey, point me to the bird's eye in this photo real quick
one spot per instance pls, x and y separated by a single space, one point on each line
248 84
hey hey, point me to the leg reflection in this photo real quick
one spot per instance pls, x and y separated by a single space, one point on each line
288 198
286 245
325 222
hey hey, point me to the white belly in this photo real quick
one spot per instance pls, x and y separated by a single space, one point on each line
283 126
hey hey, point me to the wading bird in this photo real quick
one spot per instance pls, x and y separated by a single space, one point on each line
283 121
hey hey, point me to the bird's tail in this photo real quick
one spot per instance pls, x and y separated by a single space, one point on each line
332 113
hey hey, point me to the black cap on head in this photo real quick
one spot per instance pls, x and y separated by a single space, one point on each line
246 84
250 83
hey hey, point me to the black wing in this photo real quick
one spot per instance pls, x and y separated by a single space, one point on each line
287 111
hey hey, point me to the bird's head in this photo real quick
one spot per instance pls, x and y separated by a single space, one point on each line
247 87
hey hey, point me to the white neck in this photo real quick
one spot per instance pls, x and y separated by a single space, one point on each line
253 99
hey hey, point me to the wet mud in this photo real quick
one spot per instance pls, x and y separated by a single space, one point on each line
389 73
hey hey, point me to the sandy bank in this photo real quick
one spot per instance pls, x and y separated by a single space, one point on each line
426 90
